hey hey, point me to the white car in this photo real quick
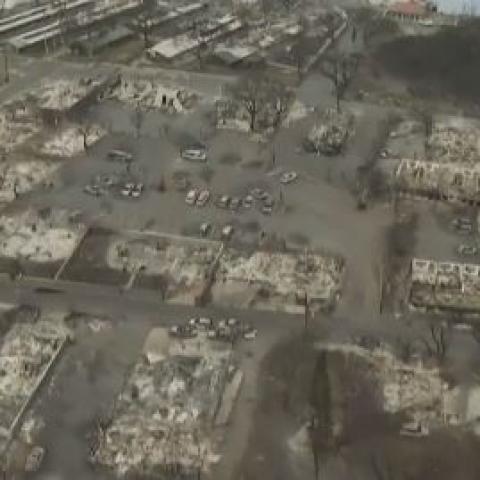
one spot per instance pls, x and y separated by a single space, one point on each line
205 229
137 190
194 154
251 334
203 198
191 197
193 321
205 322
288 177
258 193
212 334
119 156
247 202
227 232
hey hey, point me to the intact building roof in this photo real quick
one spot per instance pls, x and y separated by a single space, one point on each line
409 8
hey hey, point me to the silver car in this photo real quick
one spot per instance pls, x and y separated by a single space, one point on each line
194 154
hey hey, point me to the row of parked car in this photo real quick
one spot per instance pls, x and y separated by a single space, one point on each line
265 201
229 329
102 184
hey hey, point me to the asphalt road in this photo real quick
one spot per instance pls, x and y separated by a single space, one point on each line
117 304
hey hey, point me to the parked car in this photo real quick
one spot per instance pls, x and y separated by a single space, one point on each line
194 154
227 232
203 198
193 322
463 225
182 331
137 190
205 229
268 201
247 202
414 429
106 181
259 194
223 201
119 156
250 334
205 323
232 322
234 203
467 250
288 177
92 190
212 334
131 189
127 189
191 197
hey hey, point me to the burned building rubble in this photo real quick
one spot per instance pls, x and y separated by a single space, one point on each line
330 134
27 352
445 181
282 278
445 285
162 420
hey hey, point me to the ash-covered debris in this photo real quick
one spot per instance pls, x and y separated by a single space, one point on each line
161 422
330 134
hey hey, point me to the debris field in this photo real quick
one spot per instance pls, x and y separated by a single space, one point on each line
162 420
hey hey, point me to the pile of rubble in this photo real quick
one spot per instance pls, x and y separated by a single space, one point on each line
41 237
414 390
161 421
18 124
230 115
63 94
451 142
185 262
447 181
146 94
72 141
331 132
285 274
445 285
27 351
21 177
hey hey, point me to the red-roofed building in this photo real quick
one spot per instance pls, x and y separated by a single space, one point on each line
408 10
